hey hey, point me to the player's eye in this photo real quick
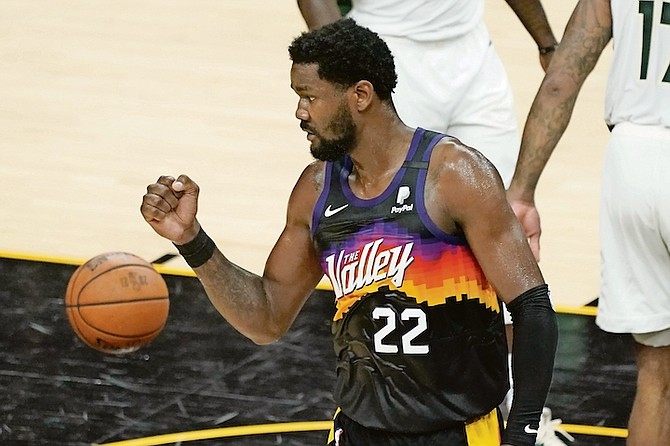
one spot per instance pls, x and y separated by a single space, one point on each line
306 100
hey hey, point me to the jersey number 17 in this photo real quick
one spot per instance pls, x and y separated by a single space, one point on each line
647 11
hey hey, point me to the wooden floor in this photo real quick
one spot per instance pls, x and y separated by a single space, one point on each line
99 98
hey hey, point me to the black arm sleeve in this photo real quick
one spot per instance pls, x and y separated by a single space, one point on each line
533 351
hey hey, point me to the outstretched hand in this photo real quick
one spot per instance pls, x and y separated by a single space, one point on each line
170 206
530 220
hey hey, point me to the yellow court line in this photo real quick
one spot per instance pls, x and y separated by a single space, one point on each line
598 431
304 426
324 284
580 311
40 258
78 261
225 432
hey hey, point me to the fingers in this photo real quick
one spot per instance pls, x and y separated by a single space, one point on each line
530 223
160 194
185 185
534 242
162 197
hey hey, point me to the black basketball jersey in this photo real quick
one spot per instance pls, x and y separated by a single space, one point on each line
418 330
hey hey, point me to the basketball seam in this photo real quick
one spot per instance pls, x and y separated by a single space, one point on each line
111 302
125 265
86 323
133 337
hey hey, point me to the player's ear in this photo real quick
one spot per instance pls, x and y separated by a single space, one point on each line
363 93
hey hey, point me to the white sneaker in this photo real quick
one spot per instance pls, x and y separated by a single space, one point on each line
546 433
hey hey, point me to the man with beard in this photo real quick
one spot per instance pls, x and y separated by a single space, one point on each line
414 231
451 80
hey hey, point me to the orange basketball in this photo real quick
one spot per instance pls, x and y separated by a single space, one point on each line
117 302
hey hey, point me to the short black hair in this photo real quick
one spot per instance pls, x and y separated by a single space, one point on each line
346 53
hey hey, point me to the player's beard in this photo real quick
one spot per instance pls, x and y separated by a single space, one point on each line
344 128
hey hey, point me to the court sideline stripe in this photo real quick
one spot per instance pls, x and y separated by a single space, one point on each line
324 285
304 426
77 262
225 432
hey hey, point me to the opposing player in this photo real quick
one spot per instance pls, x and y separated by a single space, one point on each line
635 201
415 233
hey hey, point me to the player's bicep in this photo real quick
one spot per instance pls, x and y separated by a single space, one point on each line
479 206
292 269
293 266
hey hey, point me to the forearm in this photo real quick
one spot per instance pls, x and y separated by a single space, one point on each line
535 341
587 33
532 16
318 13
240 297
547 120
237 294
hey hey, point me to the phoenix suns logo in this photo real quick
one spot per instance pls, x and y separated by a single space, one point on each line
351 271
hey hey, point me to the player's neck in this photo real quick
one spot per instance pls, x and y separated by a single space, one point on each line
379 154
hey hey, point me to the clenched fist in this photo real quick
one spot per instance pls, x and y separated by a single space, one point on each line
170 206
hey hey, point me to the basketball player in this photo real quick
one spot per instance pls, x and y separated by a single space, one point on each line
635 200
450 78
414 231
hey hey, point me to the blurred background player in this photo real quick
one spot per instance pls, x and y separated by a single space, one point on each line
635 189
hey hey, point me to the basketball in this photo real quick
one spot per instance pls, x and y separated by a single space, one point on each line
117 302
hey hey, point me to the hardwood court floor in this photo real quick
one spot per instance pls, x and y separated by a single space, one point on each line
201 374
99 98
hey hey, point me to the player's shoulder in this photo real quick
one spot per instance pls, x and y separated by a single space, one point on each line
457 169
311 181
451 155
313 175
306 192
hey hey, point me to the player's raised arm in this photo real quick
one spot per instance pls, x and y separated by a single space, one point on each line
260 307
